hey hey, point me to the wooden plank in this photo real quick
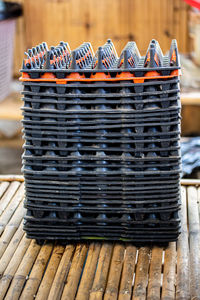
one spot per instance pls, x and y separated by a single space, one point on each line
34 30
169 273
36 274
125 290
61 20
110 21
95 21
101 276
124 25
50 272
194 241
61 274
147 19
114 276
20 276
154 285
141 274
8 196
183 280
110 25
170 23
176 20
136 20
88 272
184 30
156 14
75 272
13 266
80 20
164 26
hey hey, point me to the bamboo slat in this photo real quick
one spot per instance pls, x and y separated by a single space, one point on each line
23 270
8 196
194 182
154 285
3 188
7 275
10 178
88 272
95 270
37 271
18 215
50 272
11 227
75 272
198 191
6 252
61 274
101 275
125 290
194 241
11 207
112 287
182 283
141 274
169 273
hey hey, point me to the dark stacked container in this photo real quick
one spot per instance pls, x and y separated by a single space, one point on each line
101 155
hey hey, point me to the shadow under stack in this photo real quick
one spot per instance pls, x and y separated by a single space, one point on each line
102 154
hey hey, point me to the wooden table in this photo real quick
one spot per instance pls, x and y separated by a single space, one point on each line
96 270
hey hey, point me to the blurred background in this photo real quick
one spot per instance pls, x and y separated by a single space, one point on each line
75 21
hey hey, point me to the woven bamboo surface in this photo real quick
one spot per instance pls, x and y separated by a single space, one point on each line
97 270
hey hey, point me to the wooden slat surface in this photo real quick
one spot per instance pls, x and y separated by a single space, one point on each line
121 20
78 21
97 270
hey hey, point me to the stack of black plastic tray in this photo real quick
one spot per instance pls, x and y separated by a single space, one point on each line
101 155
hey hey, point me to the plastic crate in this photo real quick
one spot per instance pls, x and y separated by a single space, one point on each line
101 143
8 13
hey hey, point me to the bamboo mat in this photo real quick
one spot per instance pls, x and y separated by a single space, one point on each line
96 270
